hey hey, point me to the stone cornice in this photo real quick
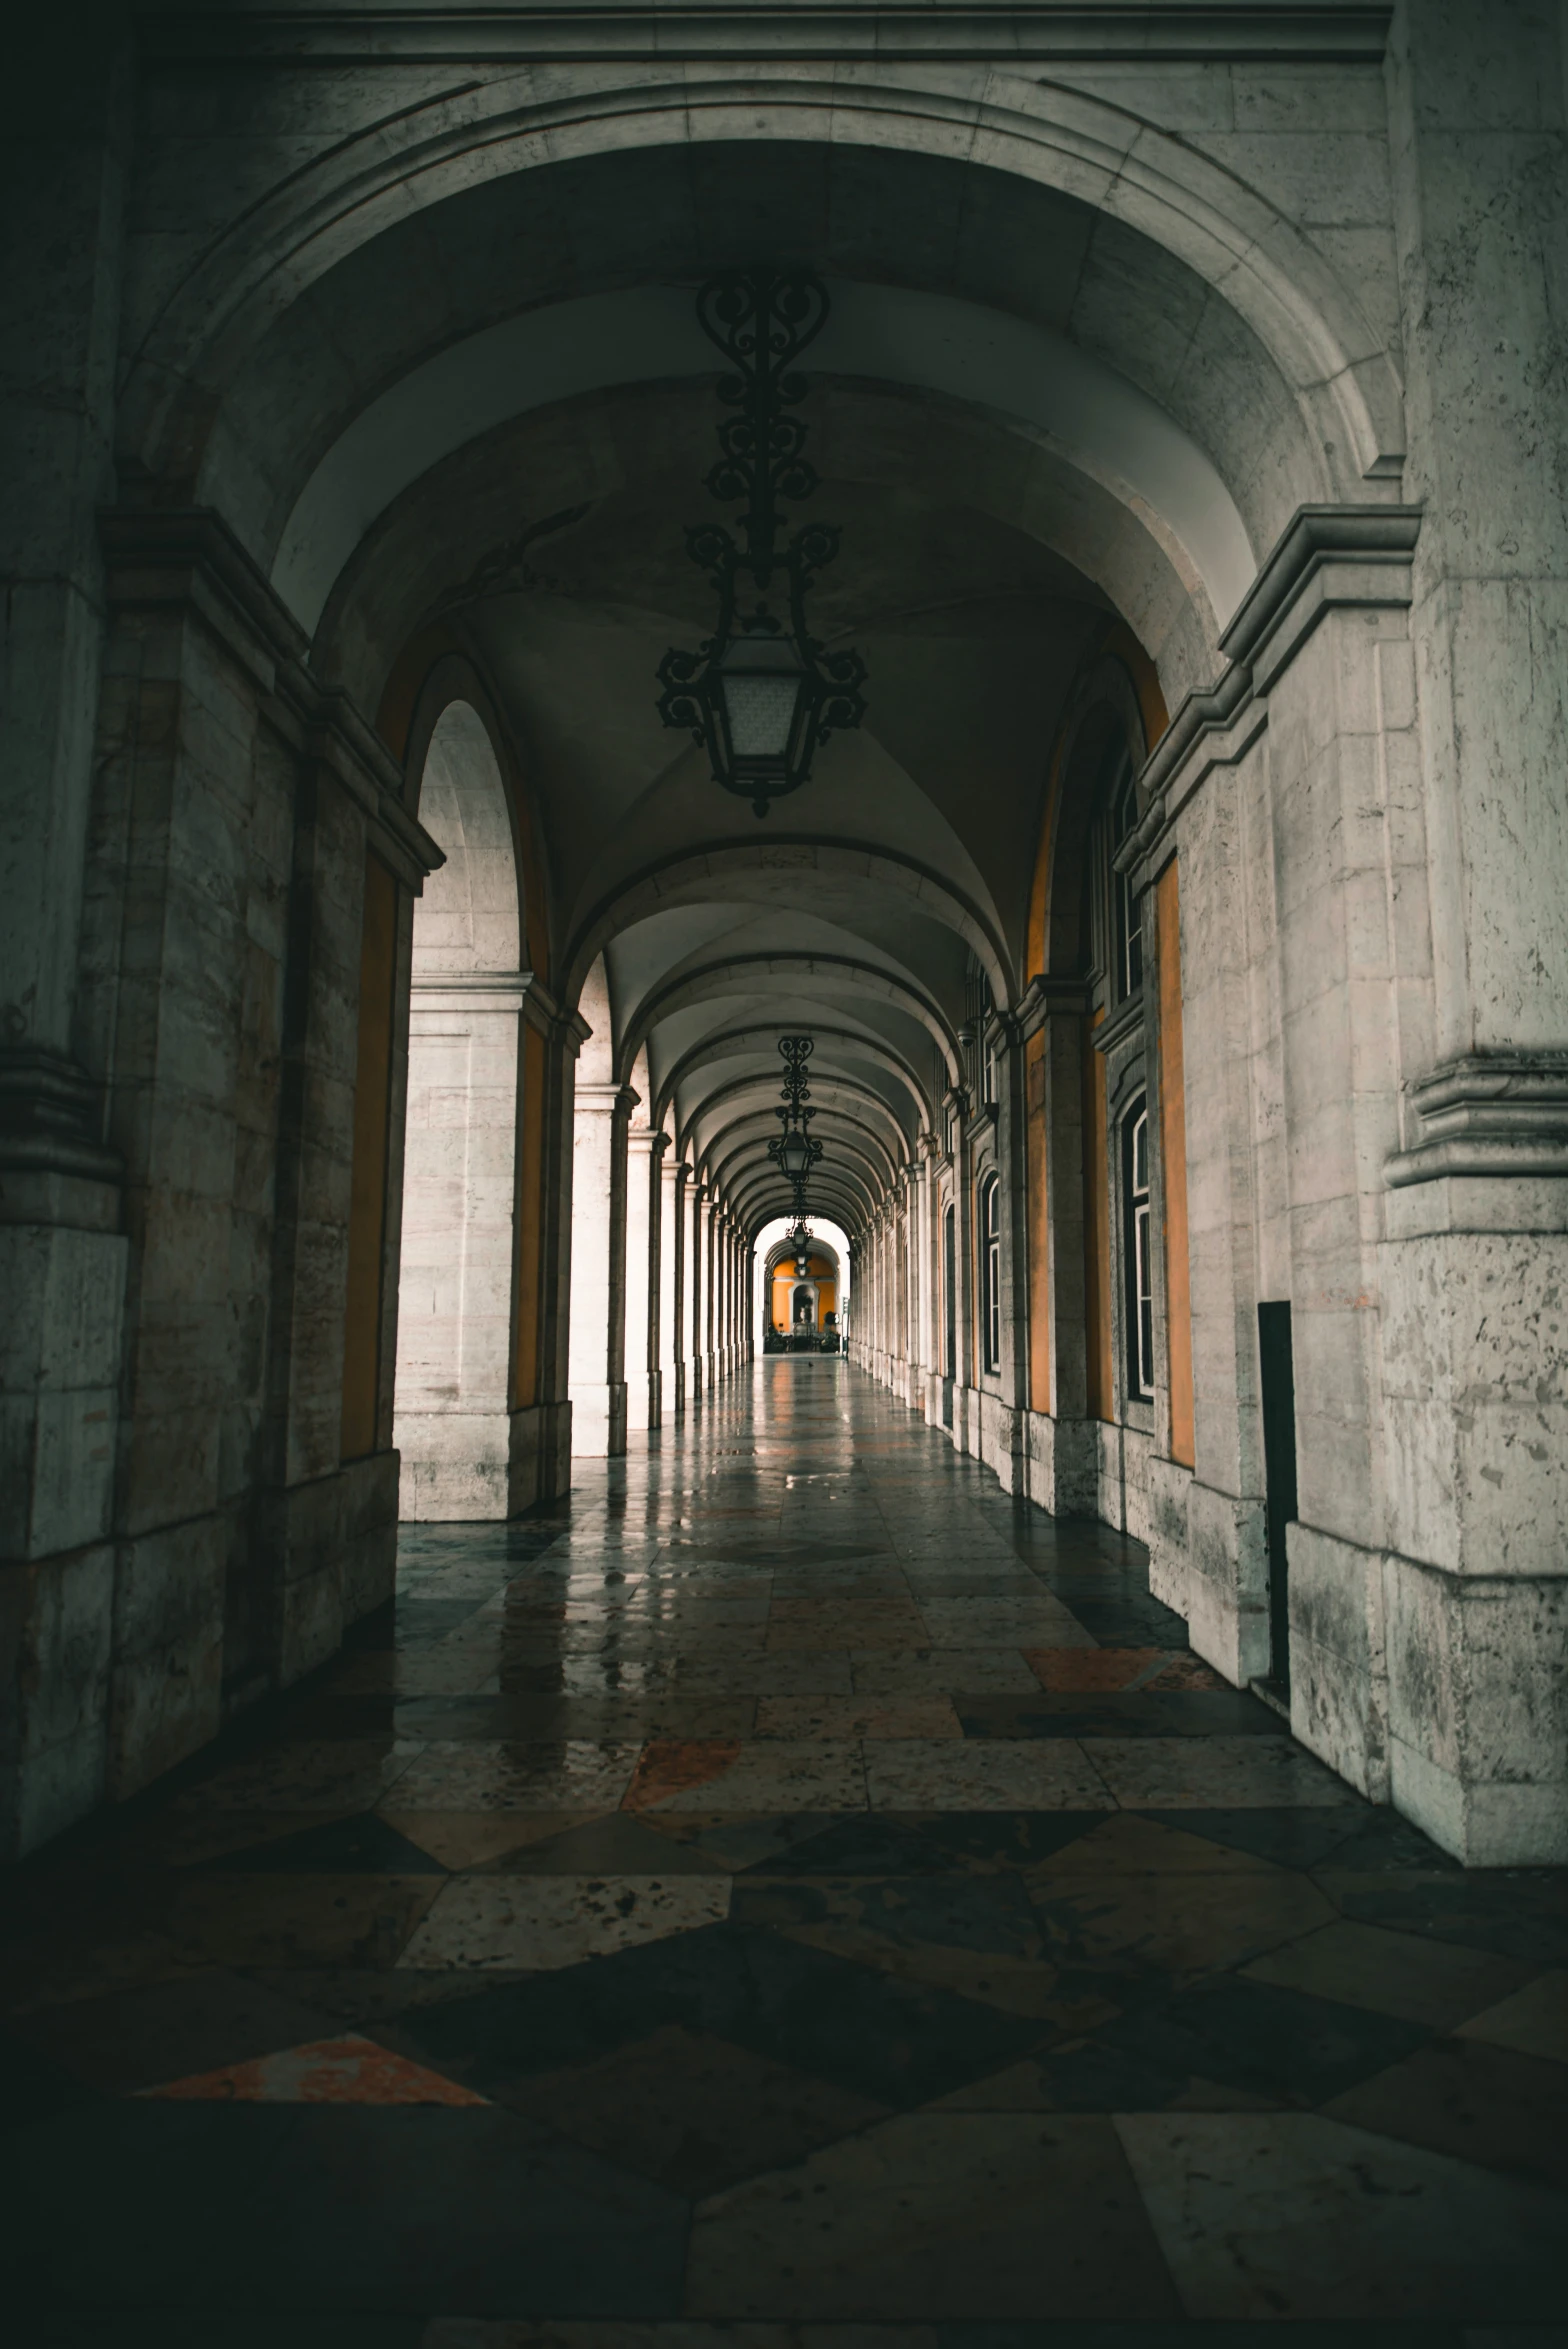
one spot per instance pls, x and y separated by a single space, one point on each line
1126 1020
599 31
605 1100
51 1115
188 560
540 1009
483 990
1328 558
1048 998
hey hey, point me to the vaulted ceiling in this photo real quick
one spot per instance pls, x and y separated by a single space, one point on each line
494 421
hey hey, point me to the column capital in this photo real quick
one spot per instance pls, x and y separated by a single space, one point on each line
568 1031
606 1100
1485 1114
1048 998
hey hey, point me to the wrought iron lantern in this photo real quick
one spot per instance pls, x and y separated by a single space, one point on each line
794 1152
762 693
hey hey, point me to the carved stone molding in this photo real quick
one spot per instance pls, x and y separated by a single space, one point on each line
187 560
51 1116
1486 1113
1327 558
1144 31
1048 998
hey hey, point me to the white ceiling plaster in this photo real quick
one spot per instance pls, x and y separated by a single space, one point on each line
934 342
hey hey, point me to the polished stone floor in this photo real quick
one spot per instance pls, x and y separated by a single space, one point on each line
789 1894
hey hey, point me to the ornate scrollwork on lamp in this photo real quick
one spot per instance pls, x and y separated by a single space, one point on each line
762 692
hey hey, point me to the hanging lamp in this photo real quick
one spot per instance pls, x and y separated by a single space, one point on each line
762 693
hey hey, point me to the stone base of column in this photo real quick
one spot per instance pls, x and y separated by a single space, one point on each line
55 1617
1002 1442
965 1426
62 1276
1484 1769
333 1544
541 1455
644 1401
1207 1559
1061 1470
456 1465
599 1421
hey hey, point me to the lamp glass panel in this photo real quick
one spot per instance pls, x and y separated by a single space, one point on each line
761 680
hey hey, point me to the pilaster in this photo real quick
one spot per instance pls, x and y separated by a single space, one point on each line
644 1150
601 1118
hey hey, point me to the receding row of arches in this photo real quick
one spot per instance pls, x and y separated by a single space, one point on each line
583 1181
395 1052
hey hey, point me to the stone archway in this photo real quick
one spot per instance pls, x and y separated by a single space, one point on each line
1113 367
455 1280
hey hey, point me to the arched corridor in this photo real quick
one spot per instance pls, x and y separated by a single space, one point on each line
917 1934
784 1166
391 1070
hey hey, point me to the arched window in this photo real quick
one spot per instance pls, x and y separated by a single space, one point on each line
991 1271
1126 904
1137 1251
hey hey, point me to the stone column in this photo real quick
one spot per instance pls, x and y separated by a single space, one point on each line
694 1233
541 1441
752 1300
1474 1265
732 1268
727 1290
219 1533
659 1239
874 1295
643 1151
63 1251
1008 1452
716 1307
600 1118
929 1393
1062 1467
896 1291
737 1333
705 1213
455 1283
965 1397
672 1184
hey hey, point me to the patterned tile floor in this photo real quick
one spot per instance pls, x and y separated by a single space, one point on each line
788 1896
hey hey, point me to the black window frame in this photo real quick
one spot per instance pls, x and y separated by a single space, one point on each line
991 1272
1126 902
1138 1253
